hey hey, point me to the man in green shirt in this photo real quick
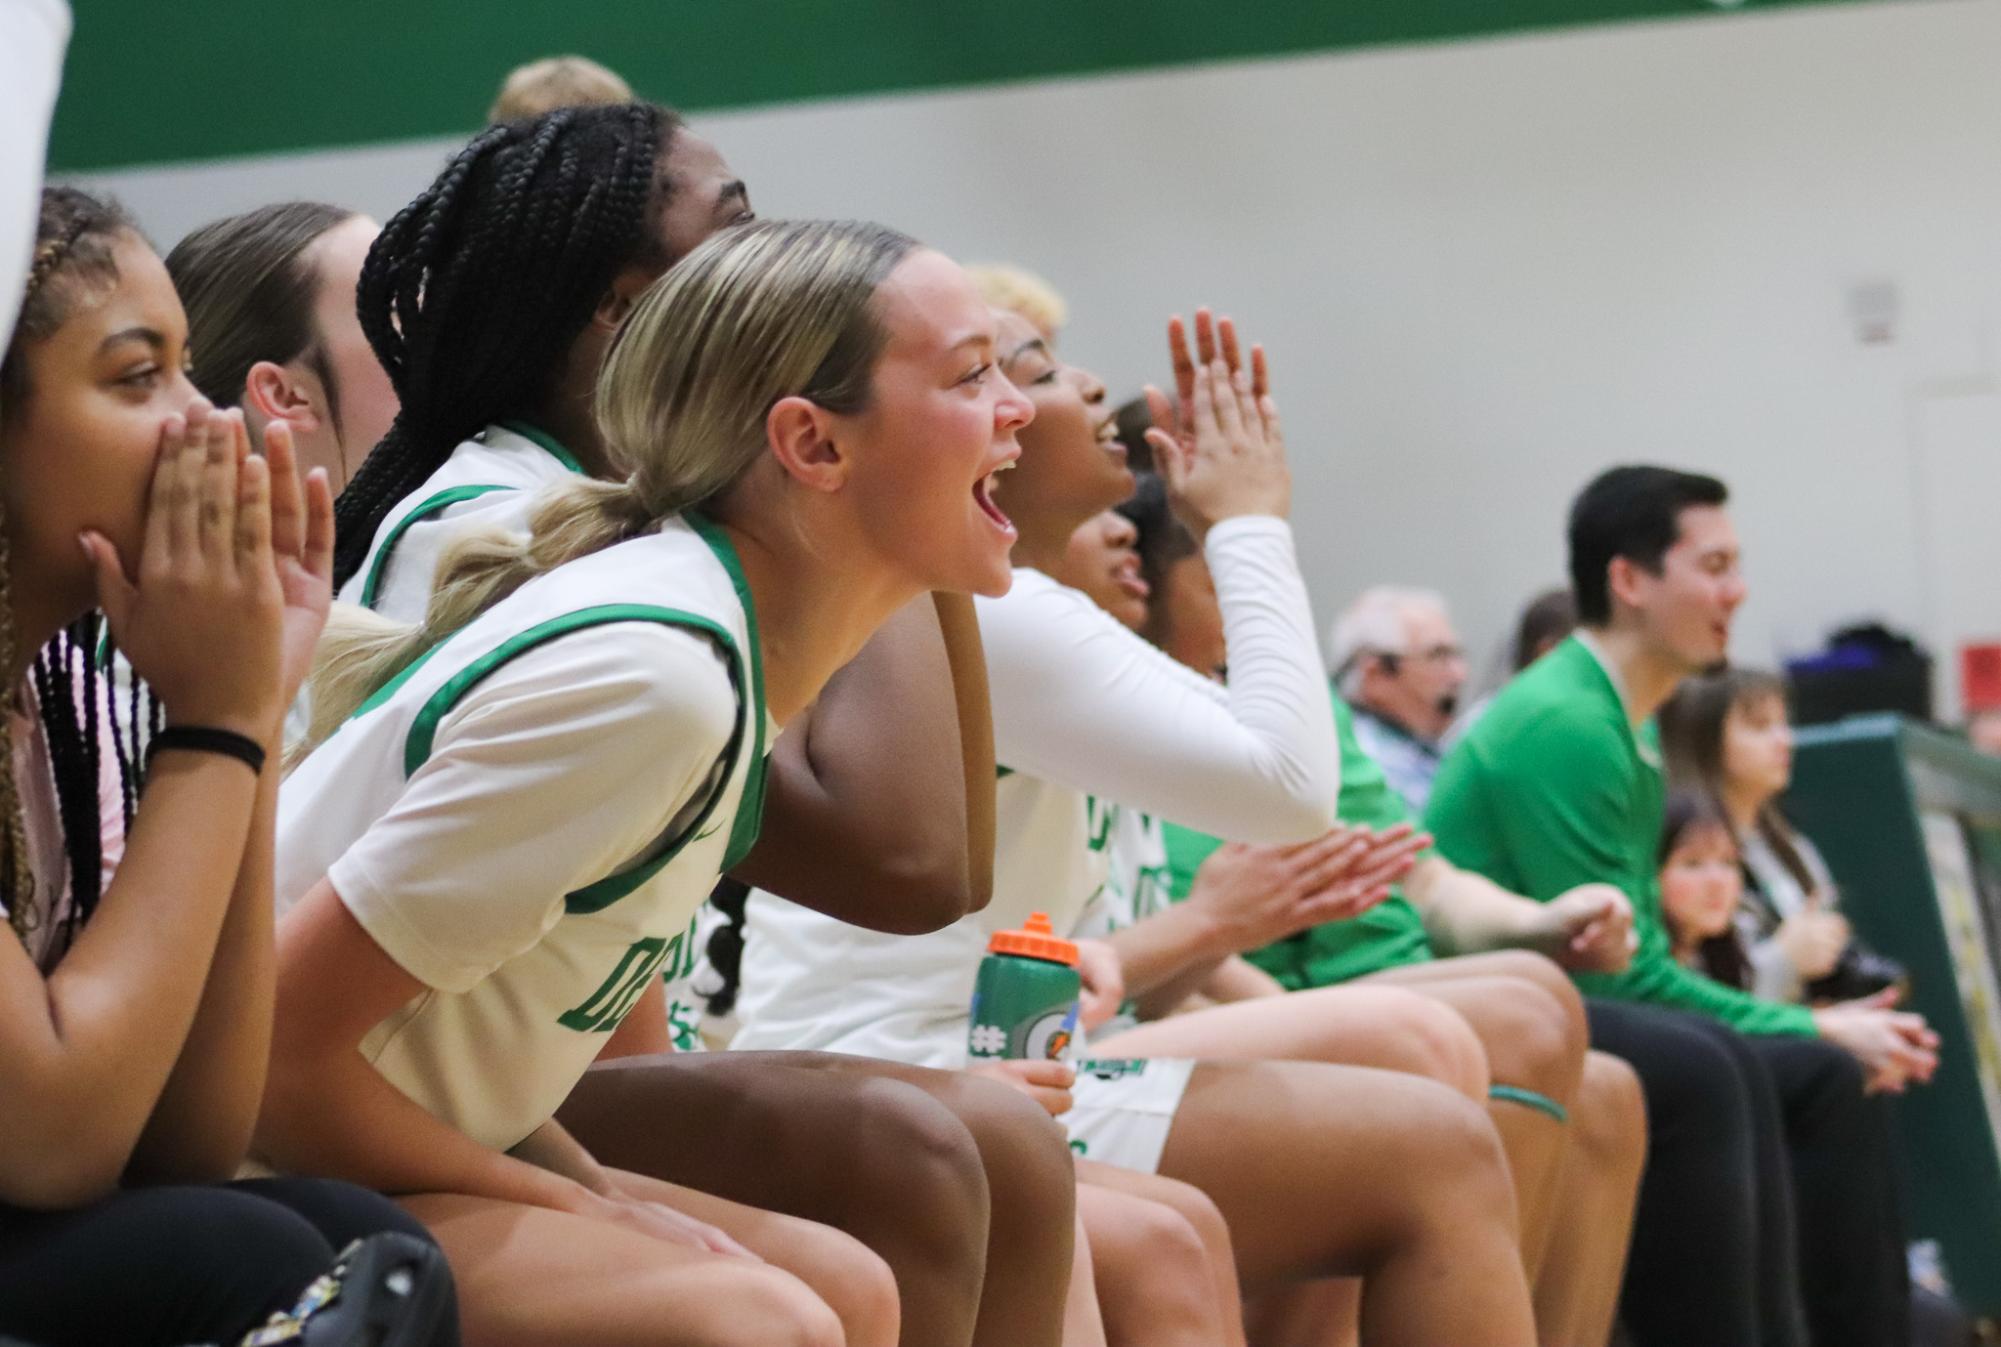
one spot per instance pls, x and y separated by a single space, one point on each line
1560 784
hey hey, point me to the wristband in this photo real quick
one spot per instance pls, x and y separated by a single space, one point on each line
206 739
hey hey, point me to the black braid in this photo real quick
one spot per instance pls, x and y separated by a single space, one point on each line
129 733
62 670
725 950
475 292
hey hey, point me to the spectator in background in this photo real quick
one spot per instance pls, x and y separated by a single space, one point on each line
1727 737
556 82
1399 666
1018 290
1702 888
1549 617
272 327
1983 730
1560 784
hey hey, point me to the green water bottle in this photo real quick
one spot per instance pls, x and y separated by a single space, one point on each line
1025 998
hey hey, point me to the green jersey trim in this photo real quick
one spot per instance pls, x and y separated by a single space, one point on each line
371 587
536 435
749 821
424 728
450 496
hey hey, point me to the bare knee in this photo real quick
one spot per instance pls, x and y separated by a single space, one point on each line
1609 1124
1443 1045
1203 1216
1529 966
1153 1266
1030 1173
917 1150
1452 1158
754 1305
1532 1042
861 1290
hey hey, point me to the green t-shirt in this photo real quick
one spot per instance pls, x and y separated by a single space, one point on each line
1552 788
1388 935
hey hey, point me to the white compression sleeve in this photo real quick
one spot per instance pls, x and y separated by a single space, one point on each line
1081 701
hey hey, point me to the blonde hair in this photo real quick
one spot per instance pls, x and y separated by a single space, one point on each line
766 311
556 82
1020 291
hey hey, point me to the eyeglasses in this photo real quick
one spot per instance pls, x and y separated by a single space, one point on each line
1433 654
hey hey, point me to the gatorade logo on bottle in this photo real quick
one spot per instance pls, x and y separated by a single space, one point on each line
1025 998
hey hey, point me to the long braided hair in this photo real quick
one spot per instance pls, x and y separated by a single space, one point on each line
475 291
74 695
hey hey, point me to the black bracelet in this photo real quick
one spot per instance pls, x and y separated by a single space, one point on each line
206 739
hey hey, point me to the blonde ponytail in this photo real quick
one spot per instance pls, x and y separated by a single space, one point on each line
361 650
761 312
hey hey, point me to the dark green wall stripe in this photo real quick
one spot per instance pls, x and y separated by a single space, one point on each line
149 81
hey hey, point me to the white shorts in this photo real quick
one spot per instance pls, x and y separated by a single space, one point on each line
1123 1108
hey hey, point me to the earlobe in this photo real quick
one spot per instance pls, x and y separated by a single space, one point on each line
615 306
611 310
800 435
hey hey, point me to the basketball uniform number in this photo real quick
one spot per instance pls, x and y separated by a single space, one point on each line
602 1011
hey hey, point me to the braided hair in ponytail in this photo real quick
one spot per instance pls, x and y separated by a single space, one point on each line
474 293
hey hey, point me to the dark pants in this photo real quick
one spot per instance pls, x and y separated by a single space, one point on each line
1854 1274
1768 1187
172 1265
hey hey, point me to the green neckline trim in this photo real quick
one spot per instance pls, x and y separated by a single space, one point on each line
371 588
537 435
750 813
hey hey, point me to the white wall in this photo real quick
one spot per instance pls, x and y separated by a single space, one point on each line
1485 270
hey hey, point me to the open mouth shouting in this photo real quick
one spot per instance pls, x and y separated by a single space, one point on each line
983 495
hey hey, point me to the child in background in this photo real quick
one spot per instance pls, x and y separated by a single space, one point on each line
1702 887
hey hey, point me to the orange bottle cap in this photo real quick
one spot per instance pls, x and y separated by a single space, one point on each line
1036 939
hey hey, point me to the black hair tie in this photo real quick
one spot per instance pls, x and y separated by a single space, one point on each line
207 739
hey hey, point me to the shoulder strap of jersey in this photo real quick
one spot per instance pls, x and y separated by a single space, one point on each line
750 813
429 508
546 442
437 504
595 897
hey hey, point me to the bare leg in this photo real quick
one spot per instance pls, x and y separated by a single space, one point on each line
1201 1213
1526 1011
867 1154
1326 1313
1166 1270
1083 1321
1533 1042
1324 1170
1032 1183
1386 1027
1599 1184
841 1270
532 1277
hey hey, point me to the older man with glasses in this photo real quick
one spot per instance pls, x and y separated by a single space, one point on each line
1397 662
